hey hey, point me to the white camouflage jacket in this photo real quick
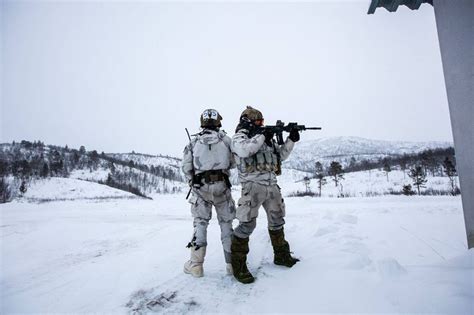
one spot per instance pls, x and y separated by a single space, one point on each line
244 148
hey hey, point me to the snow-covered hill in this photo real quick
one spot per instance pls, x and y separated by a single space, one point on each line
149 160
60 189
342 149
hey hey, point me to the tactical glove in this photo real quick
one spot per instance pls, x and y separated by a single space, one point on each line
269 137
247 124
294 135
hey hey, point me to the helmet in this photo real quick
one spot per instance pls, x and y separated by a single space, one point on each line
252 113
210 118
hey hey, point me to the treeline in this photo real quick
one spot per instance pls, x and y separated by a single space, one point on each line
27 160
430 160
438 162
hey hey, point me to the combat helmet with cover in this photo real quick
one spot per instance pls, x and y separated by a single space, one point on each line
210 118
252 113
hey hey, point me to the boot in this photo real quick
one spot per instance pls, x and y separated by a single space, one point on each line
240 249
281 249
228 269
194 265
228 262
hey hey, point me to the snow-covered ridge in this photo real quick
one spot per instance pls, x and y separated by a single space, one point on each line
61 189
148 159
342 149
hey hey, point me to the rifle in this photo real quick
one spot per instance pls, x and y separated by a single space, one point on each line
192 171
280 127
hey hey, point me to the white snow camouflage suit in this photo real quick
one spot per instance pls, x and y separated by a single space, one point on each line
210 150
257 164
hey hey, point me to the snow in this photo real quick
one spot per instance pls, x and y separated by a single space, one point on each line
56 188
361 184
391 254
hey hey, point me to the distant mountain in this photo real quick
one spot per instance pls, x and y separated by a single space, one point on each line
342 149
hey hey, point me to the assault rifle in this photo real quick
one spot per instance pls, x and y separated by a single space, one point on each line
280 127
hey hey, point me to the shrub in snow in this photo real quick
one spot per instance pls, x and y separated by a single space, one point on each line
407 191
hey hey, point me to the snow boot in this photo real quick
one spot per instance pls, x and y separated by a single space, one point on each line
240 249
194 265
281 249
228 269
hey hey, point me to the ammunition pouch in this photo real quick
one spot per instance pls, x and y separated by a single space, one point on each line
262 161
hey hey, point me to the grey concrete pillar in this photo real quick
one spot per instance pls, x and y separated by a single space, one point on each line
454 20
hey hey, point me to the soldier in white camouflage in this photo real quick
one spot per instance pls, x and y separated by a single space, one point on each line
206 163
258 158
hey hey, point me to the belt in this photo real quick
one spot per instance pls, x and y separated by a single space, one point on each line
210 177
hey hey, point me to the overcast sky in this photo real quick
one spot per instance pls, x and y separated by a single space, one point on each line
118 77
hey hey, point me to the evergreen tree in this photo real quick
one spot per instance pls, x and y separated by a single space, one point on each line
450 171
45 170
82 150
403 164
418 175
75 158
112 167
3 168
25 169
55 164
94 158
109 180
336 172
5 192
386 168
320 176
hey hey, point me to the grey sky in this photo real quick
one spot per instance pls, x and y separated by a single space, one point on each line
129 76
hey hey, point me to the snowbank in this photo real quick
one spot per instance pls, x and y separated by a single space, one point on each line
60 189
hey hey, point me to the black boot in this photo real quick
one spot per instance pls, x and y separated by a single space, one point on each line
240 249
281 249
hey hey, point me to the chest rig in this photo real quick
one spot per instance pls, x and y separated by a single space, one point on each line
267 159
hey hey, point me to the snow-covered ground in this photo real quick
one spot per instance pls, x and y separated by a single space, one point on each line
392 254
57 188
362 184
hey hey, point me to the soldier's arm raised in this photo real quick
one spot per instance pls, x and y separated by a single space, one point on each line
286 148
245 147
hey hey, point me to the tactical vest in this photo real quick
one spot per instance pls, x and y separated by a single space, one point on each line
267 159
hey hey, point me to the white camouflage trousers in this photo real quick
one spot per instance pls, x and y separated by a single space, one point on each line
202 200
253 196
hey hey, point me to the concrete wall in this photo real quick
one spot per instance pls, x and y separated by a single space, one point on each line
454 20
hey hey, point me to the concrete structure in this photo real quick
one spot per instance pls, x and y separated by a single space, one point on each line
455 20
